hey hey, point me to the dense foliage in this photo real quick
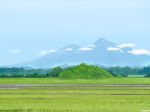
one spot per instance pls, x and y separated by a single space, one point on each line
125 71
148 75
84 71
23 72
80 71
55 72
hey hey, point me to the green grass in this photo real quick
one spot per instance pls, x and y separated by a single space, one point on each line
75 99
74 81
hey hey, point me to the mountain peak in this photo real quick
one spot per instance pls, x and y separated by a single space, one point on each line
103 42
102 39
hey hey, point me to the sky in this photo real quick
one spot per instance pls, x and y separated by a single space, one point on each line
28 27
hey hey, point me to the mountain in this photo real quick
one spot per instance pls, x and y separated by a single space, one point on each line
102 52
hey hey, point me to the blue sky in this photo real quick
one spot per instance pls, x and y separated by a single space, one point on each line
30 26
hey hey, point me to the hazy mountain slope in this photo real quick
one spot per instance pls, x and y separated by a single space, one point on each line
101 52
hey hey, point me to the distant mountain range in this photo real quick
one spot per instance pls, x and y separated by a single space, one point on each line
102 52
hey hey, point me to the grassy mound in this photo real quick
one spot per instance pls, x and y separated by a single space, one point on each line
84 71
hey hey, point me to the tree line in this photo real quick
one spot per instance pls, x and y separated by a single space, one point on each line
82 70
125 71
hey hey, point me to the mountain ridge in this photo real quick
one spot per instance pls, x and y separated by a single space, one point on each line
102 52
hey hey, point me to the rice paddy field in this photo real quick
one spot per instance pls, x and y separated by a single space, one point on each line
107 95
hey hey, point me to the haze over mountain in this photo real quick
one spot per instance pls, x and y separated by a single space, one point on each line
102 52
31 26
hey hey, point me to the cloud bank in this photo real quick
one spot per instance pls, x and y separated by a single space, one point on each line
85 49
46 52
126 45
140 52
134 51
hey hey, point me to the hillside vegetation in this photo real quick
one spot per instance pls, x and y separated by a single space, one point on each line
84 71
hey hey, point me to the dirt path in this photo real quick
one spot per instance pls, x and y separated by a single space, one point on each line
19 86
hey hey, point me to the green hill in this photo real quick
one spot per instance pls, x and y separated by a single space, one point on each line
84 71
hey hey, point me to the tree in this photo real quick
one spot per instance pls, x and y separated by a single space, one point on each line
148 75
55 72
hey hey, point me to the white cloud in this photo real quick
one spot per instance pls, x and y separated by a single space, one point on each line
85 49
46 52
113 49
15 51
126 45
140 52
69 49
122 51
93 46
